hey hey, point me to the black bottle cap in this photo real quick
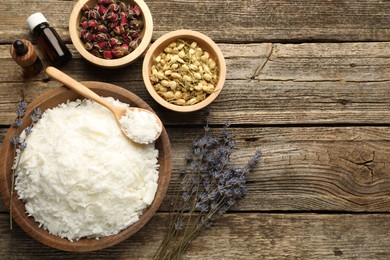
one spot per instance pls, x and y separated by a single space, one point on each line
20 48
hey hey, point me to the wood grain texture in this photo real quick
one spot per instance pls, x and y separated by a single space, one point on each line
245 236
233 21
319 169
312 83
308 83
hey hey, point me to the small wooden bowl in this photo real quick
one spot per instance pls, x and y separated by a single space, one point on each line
28 224
206 44
146 35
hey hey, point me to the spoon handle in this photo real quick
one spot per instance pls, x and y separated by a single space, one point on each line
77 86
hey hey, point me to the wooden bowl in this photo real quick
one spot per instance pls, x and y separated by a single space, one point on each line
28 224
206 44
146 35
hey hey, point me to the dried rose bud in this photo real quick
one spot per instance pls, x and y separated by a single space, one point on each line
102 28
84 25
85 8
107 2
101 45
102 9
92 23
136 10
87 36
133 44
113 42
100 2
125 46
119 52
123 20
102 37
82 33
107 55
112 17
88 46
119 30
114 8
126 38
124 14
135 35
94 14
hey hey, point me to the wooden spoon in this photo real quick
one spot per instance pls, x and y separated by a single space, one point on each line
118 112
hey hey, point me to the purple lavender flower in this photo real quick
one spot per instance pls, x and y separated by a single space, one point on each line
36 114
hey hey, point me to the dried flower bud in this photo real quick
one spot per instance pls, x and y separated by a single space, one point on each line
119 52
102 9
123 20
108 2
92 23
107 55
101 45
125 46
88 36
94 14
126 38
112 17
88 46
84 25
114 8
102 28
133 44
119 30
113 42
85 8
137 10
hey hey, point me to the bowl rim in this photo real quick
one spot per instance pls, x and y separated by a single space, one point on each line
29 225
112 63
166 39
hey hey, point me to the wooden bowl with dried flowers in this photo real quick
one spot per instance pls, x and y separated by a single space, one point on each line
184 70
17 207
109 33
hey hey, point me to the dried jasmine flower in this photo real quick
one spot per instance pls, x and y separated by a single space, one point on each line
111 29
210 185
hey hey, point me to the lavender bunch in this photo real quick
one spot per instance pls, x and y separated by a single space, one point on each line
19 143
210 185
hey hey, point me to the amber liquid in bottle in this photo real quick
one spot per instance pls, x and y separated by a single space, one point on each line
51 44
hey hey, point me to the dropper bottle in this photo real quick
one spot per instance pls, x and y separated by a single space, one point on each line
48 40
24 54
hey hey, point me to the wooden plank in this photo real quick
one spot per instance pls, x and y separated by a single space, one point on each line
233 21
266 84
237 236
304 168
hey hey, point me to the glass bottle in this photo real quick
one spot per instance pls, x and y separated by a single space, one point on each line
48 40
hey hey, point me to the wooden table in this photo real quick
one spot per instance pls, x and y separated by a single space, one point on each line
308 83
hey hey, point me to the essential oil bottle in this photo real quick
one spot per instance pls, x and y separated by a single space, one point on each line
48 40
24 54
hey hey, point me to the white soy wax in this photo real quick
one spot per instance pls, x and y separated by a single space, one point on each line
140 126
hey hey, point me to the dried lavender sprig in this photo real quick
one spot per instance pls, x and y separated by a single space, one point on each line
20 144
210 187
